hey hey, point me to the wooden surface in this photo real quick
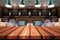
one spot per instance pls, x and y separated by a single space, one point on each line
34 34
29 32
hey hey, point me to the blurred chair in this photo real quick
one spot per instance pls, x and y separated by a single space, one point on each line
38 23
12 23
21 23
48 23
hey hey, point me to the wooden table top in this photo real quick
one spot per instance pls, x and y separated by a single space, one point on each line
29 32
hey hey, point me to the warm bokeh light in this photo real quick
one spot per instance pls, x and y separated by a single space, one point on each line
44 6
14 6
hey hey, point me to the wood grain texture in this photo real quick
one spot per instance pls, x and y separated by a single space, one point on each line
44 33
25 33
15 33
5 33
56 35
29 32
34 33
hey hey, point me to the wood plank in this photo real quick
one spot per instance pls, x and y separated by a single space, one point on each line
57 27
53 28
5 33
25 33
45 34
4 29
56 35
15 33
34 34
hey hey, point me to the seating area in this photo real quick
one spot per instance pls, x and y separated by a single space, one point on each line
36 22
29 32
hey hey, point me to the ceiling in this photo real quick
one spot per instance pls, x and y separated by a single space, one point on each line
3 2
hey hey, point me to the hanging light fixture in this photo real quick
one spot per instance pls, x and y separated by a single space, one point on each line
8 4
51 4
21 4
38 4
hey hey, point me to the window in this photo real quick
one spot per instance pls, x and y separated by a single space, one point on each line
24 12
5 13
44 12
34 12
14 12
54 13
